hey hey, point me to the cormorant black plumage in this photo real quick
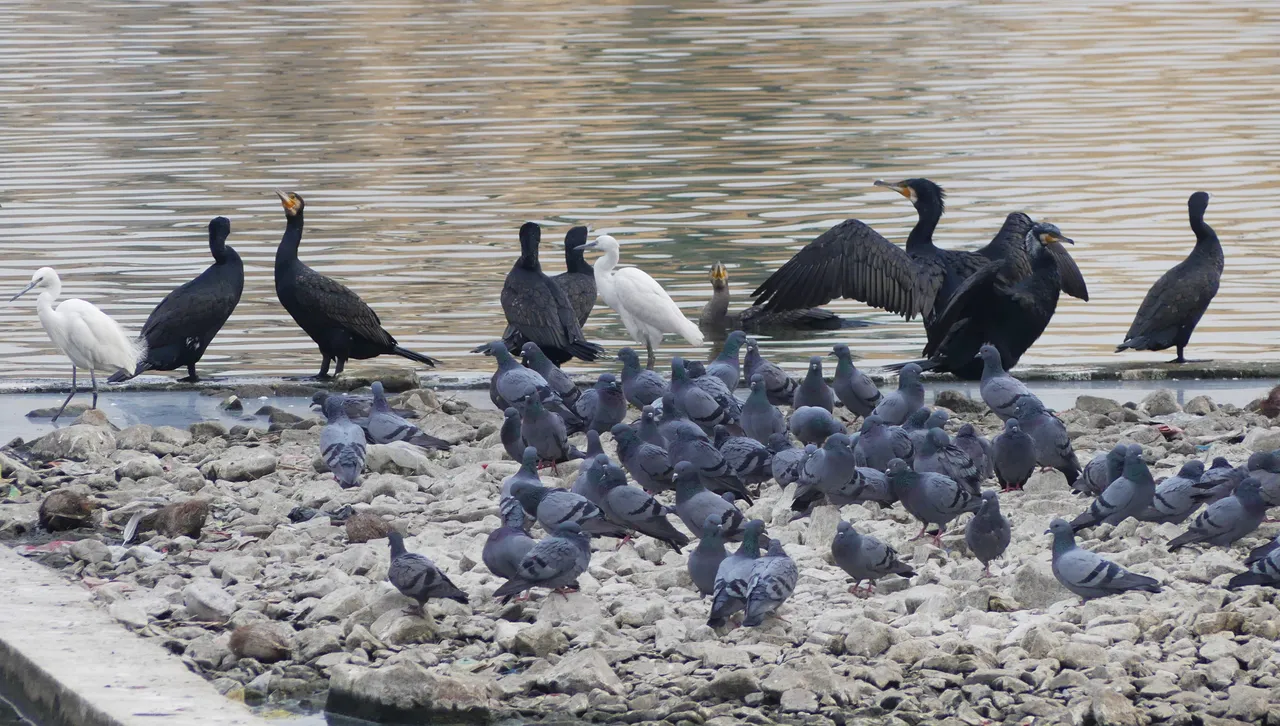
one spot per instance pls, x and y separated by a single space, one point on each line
716 317
578 282
539 309
1174 305
341 324
184 323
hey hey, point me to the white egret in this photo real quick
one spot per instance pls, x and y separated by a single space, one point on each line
88 336
647 311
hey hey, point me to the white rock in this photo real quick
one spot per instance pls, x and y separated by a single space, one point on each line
206 600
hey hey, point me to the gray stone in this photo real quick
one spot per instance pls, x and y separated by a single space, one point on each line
1034 586
397 458
867 638
798 700
396 628
317 641
580 672
206 600
1079 655
338 604
444 426
1247 703
407 692
539 640
240 463
128 613
729 685
76 442
209 651
205 430
1200 406
135 437
958 402
90 550
139 467
1262 439
1096 404
1160 403
1109 708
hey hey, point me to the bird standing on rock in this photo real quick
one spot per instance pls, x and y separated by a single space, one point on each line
725 366
855 390
705 559
1125 497
733 577
417 577
987 535
1053 446
641 386
864 557
386 425
813 390
761 419
777 384
555 562
1088 574
539 309
559 381
1226 520
507 545
342 444
1013 456
773 580
894 408
602 405
930 498
1000 390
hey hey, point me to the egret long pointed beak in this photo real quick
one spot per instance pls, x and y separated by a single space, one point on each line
25 290
589 245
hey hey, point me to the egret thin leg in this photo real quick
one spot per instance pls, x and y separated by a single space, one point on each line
93 378
649 347
71 395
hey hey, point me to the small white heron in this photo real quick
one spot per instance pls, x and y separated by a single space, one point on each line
647 311
88 336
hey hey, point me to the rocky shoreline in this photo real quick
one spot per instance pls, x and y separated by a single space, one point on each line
632 646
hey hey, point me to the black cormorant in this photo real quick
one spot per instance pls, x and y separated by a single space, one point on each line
539 309
716 317
335 317
1174 305
579 284
184 323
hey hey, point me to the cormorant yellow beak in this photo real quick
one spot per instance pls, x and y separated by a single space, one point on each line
287 200
898 187
1051 238
719 273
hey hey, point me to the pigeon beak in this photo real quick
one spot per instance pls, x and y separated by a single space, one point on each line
25 290
1048 531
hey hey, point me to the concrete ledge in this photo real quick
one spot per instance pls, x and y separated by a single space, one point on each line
77 665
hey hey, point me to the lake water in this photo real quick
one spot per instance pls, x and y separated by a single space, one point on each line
423 135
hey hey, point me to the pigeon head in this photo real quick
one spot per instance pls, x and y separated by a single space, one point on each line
379 395
511 413
897 468
843 528
1011 426
967 431
872 423
529 461
1250 493
1263 460
648 414
614 476
596 472
751 535
1135 469
1220 462
1193 469
733 343
909 376
498 350
695 368
990 502
678 372
687 477
594 447
629 358
1026 407
836 442
775 548
938 419
569 529
396 541
335 407
815 364
1061 530
532 353
606 382
918 419
841 351
936 440
623 433
757 382
779 442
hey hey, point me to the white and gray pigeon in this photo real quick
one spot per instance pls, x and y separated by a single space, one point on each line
602 405
778 385
877 445
545 431
512 382
864 557
705 559
417 577
633 507
987 534
648 464
938 455
855 390
977 447
558 380
710 463
695 402
1000 391
342 443
1088 574
1226 520
555 562
773 580
749 460
386 425
512 441
761 419
528 472
894 408
813 390
694 504
812 424
556 507
507 545
1126 497
733 577
1101 471
1053 446
640 385
1013 456
930 498
1263 569
726 366
1176 497
788 460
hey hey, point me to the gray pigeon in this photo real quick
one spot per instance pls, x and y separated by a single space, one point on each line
1000 391
507 545
342 443
877 445
864 557
1263 570
1101 471
1126 497
647 428
556 379
1176 498
894 408
528 472
812 424
555 561
726 366
386 425
545 431
937 454
640 385
512 441
854 389
590 481
602 405
710 463
700 406
828 471
813 390
773 579
1265 467
1053 447
761 419
694 504
1263 550
778 385
649 465
358 406
556 507
697 372
987 534
1013 456
594 449
633 508
749 460
671 419
916 427
1226 520
705 559
733 577
1220 480
930 498
978 449
417 577
1088 574
512 382
868 485
787 460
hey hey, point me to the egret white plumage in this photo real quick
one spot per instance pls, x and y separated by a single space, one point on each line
88 336
647 311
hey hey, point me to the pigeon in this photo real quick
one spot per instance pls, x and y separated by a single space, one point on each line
749 460
555 507
709 463
812 425
864 557
1263 570
787 460
1000 391
937 454
357 405
1126 497
1226 520
920 421
555 561
894 408
512 441
697 372
507 545
528 472
987 533
1265 467
761 419
773 579
640 385
647 428
733 577
854 389
779 387
559 381
705 559
930 498
594 449
417 577
632 507
813 390
828 470
695 402
726 366
1101 471
602 405
512 382
386 425
590 481
868 485
1176 497
877 445
1261 551
1220 480
649 465
1088 574
694 504
1053 447
550 401
342 443
545 431
1013 456
978 448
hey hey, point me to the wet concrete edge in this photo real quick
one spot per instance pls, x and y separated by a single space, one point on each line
70 659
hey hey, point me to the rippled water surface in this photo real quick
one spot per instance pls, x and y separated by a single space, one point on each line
424 134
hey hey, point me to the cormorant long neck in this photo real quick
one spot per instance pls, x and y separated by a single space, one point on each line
921 237
530 236
717 308
1206 238
573 259
288 250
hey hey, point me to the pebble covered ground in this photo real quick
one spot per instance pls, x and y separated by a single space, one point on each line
944 647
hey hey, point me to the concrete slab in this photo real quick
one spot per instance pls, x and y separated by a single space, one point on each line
78 665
